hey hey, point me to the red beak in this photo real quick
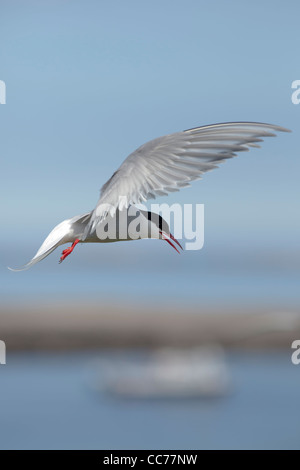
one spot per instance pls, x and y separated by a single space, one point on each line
164 236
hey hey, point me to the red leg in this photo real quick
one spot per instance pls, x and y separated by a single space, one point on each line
68 251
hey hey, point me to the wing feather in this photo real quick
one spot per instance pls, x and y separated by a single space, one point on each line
171 162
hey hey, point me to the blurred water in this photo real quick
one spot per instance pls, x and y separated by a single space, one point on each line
150 270
48 402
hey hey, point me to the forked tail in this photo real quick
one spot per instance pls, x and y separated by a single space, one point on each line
66 231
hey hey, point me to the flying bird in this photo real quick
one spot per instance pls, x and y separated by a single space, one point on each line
165 164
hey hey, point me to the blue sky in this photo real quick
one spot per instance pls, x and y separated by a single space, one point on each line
88 82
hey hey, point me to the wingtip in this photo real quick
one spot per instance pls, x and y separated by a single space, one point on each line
280 128
243 123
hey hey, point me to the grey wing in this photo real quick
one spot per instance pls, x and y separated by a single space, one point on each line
171 162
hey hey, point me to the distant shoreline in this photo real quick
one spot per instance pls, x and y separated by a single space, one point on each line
71 327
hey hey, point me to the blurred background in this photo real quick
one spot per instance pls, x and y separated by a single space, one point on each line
131 345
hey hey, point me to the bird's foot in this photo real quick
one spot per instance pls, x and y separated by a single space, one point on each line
68 251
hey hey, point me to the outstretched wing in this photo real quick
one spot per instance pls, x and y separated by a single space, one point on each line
171 162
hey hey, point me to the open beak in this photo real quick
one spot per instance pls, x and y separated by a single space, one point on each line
168 239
